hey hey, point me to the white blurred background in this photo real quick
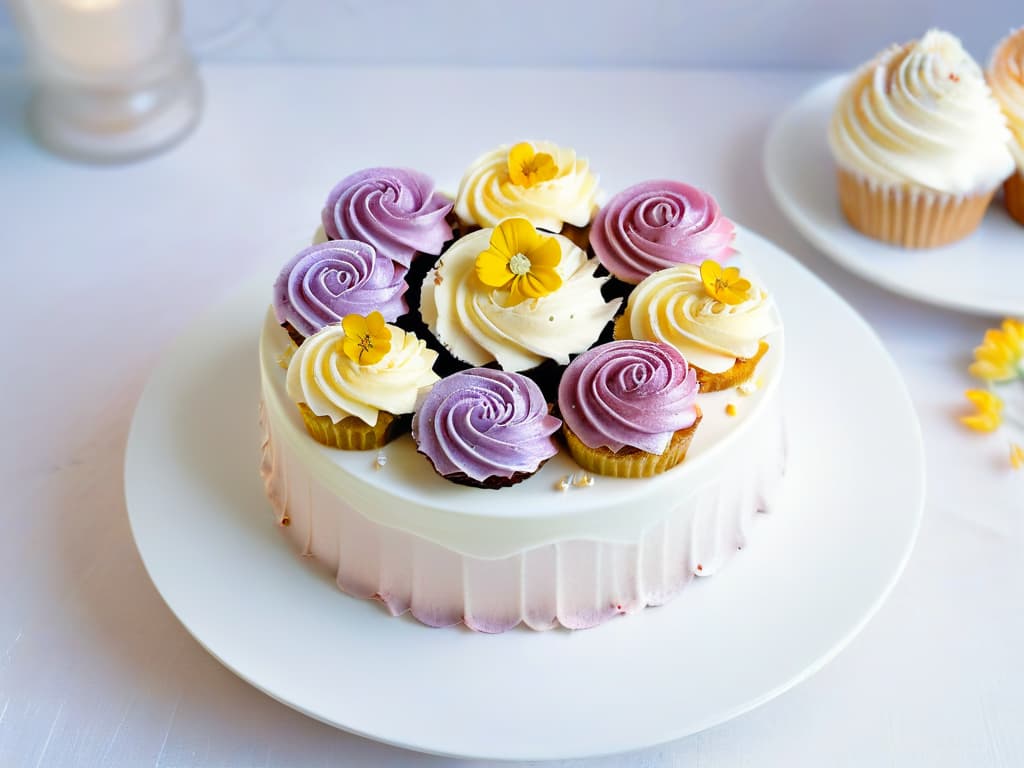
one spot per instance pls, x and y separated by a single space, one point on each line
534 33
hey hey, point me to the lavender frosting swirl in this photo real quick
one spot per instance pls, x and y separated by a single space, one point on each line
325 282
395 210
659 224
485 423
628 393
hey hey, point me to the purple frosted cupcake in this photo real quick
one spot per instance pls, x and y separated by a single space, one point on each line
629 408
659 224
485 428
328 281
395 210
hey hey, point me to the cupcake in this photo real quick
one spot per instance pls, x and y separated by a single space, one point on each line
354 381
1006 78
485 428
325 282
655 225
537 180
920 144
629 408
515 296
714 317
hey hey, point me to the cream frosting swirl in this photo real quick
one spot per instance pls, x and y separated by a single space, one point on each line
476 324
921 114
487 194
1006 78
672 306
331 384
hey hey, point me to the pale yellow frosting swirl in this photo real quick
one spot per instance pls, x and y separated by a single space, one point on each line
487 194
331 384
475 323
922 115
673 307
1006 78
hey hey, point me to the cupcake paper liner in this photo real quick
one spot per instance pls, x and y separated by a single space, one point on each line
630 462
351 433
912 217
740 372
1013 196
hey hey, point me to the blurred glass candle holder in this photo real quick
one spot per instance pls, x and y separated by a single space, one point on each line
112 79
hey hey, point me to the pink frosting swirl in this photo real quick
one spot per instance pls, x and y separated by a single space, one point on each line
395 210
629 393
659 224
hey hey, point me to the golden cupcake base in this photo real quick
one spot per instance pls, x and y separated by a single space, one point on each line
630 462
351 433
740 372
908 216
1013 196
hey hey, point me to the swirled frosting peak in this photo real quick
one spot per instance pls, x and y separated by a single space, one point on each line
628 393
331 383
485 423
921 114
658 224
481 324
395 210
325 282
1006 77
674 306
547 184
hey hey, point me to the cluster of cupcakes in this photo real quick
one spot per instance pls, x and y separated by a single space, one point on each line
518 319
923 138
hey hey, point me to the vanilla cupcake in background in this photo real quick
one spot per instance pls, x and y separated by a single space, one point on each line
538 180
920 143
1006 78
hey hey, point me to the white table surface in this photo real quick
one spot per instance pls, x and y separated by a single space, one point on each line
102 267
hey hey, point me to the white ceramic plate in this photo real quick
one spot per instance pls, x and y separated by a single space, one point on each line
813 574
983 273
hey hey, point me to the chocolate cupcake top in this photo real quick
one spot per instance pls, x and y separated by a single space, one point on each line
395 210
658 224
633 394
485 423
325 282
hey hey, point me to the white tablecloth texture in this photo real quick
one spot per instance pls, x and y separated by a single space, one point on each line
103 266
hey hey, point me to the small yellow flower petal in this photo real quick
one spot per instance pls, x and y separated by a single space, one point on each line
367 339
492 268
710 272
527 167
989 406
539 282
546 253
375 324
1016 456
725 285
1001 354
354 326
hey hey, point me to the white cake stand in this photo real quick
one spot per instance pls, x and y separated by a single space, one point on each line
813 574
983 273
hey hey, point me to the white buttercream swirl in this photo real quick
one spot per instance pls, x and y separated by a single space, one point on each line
473 321
331 384
921 114
1006 78
672 306
487 194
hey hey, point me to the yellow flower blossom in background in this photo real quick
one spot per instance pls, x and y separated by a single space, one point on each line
1001 354
527 167
367 339
989 410
1016 456
724 285
522 260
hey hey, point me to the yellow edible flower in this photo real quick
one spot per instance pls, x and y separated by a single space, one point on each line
527 167
521 259
1001 355
724 285
989 406
367 339
1016 456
